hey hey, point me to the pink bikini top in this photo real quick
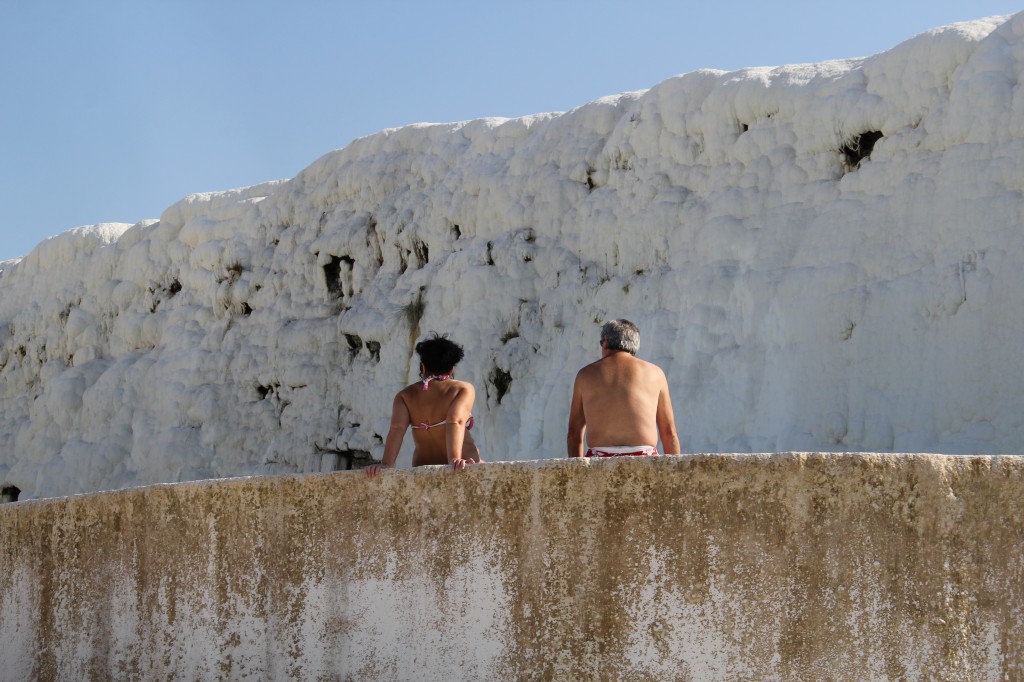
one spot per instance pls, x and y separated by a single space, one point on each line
426 383
425 425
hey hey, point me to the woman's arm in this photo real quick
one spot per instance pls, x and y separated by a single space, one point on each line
400 421
469 449
455 433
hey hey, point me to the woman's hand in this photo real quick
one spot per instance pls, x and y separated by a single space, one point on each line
461 464
376 468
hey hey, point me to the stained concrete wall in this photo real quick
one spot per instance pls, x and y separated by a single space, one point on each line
788 566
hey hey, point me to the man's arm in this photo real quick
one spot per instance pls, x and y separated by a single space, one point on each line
400 421
666 420
455 433
577 422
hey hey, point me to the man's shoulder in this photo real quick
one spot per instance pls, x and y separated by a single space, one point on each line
586 370
650 366
648 370
655 371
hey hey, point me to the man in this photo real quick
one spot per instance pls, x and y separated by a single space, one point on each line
621 402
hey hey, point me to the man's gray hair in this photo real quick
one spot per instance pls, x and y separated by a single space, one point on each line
621 335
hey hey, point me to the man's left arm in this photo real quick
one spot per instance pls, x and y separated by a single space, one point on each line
666 421
577 422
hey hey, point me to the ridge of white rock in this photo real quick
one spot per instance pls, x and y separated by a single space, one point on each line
820 256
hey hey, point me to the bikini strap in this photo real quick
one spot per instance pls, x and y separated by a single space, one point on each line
425 425
435 377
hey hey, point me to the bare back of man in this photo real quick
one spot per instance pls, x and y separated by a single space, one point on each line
621 401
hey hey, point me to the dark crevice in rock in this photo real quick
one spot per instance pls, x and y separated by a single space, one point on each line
332 276
859 148
344 460
502 382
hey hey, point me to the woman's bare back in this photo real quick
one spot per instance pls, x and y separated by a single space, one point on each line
431 413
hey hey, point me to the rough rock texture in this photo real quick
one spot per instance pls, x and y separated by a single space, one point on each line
707 567
821 256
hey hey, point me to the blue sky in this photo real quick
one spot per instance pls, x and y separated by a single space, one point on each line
112 111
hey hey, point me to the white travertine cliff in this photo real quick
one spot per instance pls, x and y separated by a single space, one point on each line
821 256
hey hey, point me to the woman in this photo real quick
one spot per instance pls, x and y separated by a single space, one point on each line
439 410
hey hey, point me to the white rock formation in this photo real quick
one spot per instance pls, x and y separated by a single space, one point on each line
821 256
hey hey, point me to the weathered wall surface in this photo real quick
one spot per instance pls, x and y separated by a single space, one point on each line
788 566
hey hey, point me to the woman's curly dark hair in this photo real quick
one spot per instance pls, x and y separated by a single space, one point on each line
439 354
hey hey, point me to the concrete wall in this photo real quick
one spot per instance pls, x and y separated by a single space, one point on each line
788 566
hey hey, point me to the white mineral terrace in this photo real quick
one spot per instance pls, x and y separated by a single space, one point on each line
703 567
821 257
